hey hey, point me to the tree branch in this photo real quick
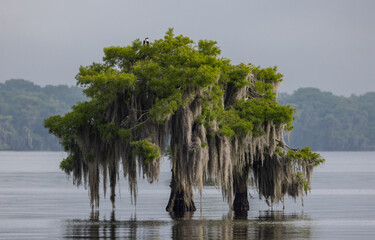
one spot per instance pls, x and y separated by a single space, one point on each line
283 144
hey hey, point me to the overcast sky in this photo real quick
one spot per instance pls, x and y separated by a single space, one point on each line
327 44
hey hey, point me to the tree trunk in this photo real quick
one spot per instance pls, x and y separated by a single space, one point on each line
181 200
240 203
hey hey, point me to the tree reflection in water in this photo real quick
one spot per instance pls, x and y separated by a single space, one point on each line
267 225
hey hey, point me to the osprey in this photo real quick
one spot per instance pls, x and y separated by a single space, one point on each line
146 41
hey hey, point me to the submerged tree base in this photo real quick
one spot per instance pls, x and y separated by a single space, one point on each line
241 203
180 202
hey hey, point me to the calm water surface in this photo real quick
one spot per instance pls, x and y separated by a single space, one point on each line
38 201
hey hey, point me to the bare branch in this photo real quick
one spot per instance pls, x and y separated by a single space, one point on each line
283 144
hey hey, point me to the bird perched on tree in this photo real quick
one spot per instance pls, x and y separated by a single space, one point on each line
146 41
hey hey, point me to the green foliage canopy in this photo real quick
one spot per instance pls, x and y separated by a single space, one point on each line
168 67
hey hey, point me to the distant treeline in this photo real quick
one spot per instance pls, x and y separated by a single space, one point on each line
24 106
326 122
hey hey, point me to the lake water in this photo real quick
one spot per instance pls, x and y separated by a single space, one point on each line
38 201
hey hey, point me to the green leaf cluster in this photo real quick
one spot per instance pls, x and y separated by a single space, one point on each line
306 155
262 110
232 124
147 150
124 134
66 165
83 115
238 74
103 83
208 47
302 181
108 131
268 75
